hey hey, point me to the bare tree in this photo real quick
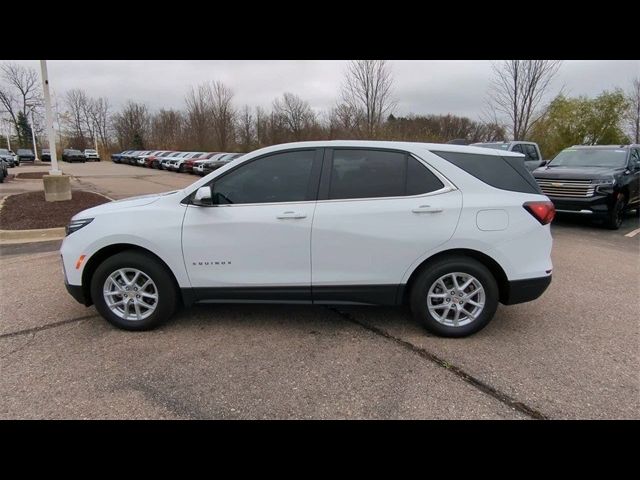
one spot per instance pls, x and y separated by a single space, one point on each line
224 116
517 89
100 115
295 114
198 117
367 91
246 129
132 125
20 90
76 101
167 129
633 97
343 121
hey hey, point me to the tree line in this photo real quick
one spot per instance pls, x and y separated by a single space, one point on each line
516 108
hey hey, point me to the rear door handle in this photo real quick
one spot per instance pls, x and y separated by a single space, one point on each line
291 215
426 209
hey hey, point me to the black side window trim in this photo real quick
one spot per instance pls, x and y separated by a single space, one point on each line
314 178
520 171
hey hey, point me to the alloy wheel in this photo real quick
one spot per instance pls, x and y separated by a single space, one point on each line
130 294
456 299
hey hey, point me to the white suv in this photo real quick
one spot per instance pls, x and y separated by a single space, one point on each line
90 154
451 230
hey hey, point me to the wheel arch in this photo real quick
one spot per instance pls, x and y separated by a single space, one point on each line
101 255
494 267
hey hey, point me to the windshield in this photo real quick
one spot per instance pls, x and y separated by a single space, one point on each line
24 152
590 157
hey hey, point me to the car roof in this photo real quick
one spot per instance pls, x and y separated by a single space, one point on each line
603 147
379 144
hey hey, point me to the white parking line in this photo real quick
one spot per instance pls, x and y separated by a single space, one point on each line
633 233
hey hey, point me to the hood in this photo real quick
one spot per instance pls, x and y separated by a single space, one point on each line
116 205
575 173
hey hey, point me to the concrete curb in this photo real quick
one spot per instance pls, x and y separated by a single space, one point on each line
8 237
12 237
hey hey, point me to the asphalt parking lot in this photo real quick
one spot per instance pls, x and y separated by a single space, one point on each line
573 353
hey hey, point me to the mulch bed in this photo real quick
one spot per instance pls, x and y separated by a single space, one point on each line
29 210
33 174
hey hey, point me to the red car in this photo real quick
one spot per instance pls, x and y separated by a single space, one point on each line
188 164
153 161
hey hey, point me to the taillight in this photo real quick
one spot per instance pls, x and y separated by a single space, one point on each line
544 212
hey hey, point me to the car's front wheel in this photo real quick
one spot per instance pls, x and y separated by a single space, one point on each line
133 291
615 215
454 296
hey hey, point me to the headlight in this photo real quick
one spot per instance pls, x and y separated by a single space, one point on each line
76 225
605 185
605 182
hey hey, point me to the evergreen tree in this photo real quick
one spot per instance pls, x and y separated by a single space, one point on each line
137 141
24 131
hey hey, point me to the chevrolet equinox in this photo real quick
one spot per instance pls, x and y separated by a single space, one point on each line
449 230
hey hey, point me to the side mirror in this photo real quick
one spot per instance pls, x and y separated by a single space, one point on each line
202 197
543 163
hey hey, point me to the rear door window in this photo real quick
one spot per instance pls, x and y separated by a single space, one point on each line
362 173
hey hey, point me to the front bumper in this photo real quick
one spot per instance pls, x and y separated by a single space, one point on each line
596 206
77 292
520 291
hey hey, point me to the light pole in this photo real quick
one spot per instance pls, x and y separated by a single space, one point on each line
8 132
50 131
33 132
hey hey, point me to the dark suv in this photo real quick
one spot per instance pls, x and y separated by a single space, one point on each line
600 182
72 155
25 155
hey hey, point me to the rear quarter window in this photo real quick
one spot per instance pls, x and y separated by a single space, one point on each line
505 173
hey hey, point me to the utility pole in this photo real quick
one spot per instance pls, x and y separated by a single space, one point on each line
8 132
50 132
33 133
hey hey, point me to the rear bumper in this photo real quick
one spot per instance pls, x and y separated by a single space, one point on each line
520 291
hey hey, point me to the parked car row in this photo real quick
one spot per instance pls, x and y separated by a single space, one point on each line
199 163
72 155
10 158
4 168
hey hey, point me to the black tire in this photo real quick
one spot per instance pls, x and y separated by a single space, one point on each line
431 272
181 169
615 216
166 289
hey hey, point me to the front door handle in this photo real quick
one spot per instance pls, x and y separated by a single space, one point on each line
291 215
426 209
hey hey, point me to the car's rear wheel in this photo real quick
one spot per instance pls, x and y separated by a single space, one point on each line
181 169
454 296
133 291
615 215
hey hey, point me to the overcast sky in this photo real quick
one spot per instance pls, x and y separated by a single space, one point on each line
429 86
